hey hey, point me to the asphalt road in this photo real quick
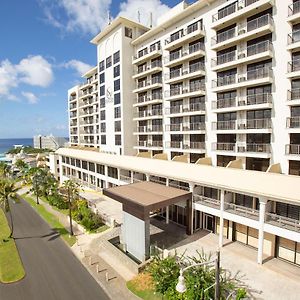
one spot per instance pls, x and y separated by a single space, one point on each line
52 270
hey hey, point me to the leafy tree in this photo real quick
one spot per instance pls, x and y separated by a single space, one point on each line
71 189
21 165
7 192
5 169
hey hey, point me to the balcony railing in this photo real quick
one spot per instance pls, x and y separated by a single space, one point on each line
194 145
265 123
230 9
242 210
150 128
152 48
184 32
226 125
177 109
148 67
225 80
294 8
148 113
154 96
181 72
283 222
294 37
223 103
193 87
224 58
258 148
242 29
258 99
206 201
125 178
292 149
224 146
294 66
294 94
174 144
259 48
146 83
293 122
259 73
186 126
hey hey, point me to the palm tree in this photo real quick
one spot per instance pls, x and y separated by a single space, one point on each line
71 188
38 177
8 191
4 169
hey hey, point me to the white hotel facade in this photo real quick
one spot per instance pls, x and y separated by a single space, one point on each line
207 100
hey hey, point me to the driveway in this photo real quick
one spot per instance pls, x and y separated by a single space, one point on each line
52 270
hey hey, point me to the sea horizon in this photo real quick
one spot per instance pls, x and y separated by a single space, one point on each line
8 143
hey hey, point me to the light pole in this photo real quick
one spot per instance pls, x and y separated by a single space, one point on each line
181 287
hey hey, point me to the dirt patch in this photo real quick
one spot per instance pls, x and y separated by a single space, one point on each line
143 281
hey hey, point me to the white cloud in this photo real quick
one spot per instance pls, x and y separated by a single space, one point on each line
79 66
33 70
91 16
31 98
130 9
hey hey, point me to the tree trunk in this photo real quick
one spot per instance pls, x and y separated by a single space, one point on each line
37 196
11 220
70 213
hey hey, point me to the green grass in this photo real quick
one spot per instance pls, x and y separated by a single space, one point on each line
11 267
143 294
51 220
100 229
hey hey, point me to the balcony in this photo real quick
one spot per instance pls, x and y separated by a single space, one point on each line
294 40
192 71
150 144
251 78
193 108
294 12
194 89
185 35
155 82
294 69
283 222
194 146
154 98
181 127
149 129
147 53
188 52
225 125
293 96
257 27
292 149
237 10
147 69
73 115
72 98
148 114
199 199
256 124
240 210
293 122
231 147
253 53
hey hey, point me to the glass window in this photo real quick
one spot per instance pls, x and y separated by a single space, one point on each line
102 115
116 57
117 112
117 126
101 66
108 62
117 98
117 85
102 90
102 102
103 139
117 71
128 32
118 140
102 78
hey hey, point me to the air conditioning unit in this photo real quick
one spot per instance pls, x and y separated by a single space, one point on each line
241 55
242 79
241 31
242 126
241 102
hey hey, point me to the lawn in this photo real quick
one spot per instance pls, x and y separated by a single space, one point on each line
142 286
11 267
51 220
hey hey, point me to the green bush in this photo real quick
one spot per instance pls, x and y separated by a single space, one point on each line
57 201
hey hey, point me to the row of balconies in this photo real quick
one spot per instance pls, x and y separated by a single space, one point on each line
242 31
86 112
154 81
149 128
146 99
187 126
183 73
255 99
185 145
147 53
89 121
184 91
243 124
148 68
152 144
228 80
237 57
242 147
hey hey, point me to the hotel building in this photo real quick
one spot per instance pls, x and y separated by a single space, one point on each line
210 103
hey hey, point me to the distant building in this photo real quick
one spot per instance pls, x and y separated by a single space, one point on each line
48 142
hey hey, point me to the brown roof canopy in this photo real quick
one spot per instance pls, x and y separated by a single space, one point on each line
142 197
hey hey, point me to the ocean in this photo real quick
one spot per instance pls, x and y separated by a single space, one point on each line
6 144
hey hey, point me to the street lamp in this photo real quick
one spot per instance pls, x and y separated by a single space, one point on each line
181 287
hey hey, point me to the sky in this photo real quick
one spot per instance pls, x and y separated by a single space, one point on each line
45 48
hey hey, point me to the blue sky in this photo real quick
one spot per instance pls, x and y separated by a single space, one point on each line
44 49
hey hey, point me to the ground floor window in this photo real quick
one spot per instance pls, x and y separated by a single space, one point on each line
288 250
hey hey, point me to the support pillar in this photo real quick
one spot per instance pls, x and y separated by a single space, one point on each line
192 186
262 211
106 176
131 177
221 227
119 176
167 215
189 211
147 177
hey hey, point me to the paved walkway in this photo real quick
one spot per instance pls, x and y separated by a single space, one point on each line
274 280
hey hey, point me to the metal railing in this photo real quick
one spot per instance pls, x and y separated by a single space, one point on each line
294 94
225 80
258 148
293 122
194 145
193 87
259 48
146 51
292 149
294 8
294 66
259 99
154 96
259 22
174 144
206 201
259 73
224 36
294 37
148 113
192 107
150 128
230 9
226 125
224 58
223 103
241 210
125 178
224 146
283 222
265 123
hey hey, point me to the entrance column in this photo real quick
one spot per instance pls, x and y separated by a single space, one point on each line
221 227
147 177
106 176
119 176
192 186
262 211
131 177
167 208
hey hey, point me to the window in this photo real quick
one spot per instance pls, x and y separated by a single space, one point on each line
117 85
101 66
117 98
103 127
91 167
118 140
112 172
155 46
128 32
108 62
102 115
117 71
103 139
193 27
102 102
100 169
102 78
102 90
117 112
117 126
116 57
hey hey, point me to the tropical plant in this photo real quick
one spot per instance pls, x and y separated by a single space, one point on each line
5 169
8 191
71 189
21 164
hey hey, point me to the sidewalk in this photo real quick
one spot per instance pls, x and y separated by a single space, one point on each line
87 249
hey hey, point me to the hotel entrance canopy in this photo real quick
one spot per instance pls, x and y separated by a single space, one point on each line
138 200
